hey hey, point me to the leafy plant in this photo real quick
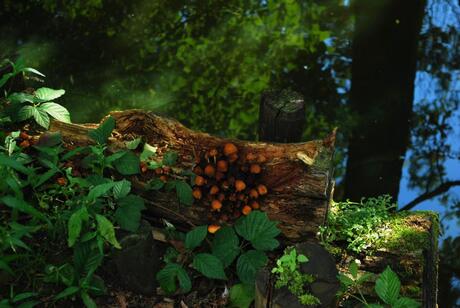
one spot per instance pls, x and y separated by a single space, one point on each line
38 105
361 225
212 257
288 274
387 288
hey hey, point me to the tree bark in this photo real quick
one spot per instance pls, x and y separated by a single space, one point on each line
298 176
383 71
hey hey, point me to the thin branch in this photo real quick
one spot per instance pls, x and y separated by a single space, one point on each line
442 188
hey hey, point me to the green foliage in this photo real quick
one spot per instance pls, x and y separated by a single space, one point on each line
287 271
361 225
78 216
213 259
103 132
241 295
387 287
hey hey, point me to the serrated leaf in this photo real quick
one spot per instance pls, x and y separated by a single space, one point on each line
106 230
56 111
225 245
241 295
48 94
133 144
345 280
103 132
168 275
259 230
387 286
170 158
128 213
209 265
121 189
148 152
184 280
302 259
25 113
405 302
195 237
41 117
74 225
128 164
184 192
249 264
99 190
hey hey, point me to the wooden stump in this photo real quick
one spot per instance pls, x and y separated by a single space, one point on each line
298 176
281 116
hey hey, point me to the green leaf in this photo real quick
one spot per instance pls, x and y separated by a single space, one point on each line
121 189
259 230
209 265
103 132
387 286
184 192
86 256
75 223
345 280
241 295
128 164
99 190
225 245
148 152
184 280
106 230
41 117
249 264
67 292
195 237
47 94
168 275
302 259
25 113
4 266
12 163
23 206
133 144
128 213
56 111
18 98
23 296
32 70
156 184
87 300
354 269
405 302
170 158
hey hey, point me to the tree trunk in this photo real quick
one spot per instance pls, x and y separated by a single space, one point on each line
298 176
383 72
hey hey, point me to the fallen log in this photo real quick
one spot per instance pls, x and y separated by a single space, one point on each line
298 175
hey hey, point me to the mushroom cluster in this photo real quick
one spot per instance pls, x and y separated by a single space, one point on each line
227 183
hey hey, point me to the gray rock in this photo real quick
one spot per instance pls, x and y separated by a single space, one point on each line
138 261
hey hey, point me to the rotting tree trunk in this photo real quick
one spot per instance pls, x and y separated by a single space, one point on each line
298 176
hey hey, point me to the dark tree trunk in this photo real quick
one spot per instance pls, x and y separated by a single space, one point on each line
383 72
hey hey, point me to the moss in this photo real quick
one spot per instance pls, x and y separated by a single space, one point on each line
410 231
